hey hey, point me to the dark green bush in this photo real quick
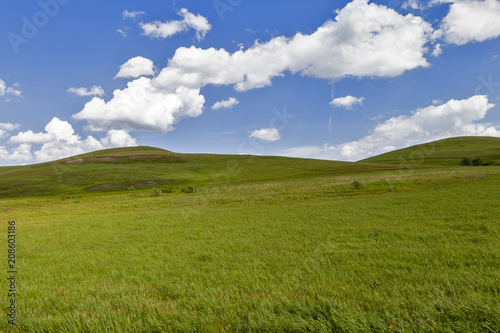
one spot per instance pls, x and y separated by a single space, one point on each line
357 185
168 189
189 189
466 162
477 162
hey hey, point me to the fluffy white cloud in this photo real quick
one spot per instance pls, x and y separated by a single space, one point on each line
437 50
225 104
8 91
454 118
266 134
471 20
20 154
118 138
364 40
59 141
7 127
189 21
142 107
93 91
347 102
131 15
136 67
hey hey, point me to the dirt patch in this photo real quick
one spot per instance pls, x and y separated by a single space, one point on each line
127 159
126 186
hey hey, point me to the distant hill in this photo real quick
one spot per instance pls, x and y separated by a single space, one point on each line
146 167
447 152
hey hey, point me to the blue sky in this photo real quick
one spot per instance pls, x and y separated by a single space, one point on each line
340 80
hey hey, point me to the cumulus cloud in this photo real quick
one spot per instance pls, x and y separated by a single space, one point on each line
437 50
228 104
435 122
136 67
118 138
7 127
6 91
21 154
347 102
364 40
266 134
131 15
59 141
471 21
142 107
93 91
159 29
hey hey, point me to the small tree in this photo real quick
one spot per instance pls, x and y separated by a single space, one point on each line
466 162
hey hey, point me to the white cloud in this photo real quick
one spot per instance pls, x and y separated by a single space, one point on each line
437 50
266 134
365 40
167 29
118 138
225 104
7 127
93 91
413 4
123 33
59 141
21 153
347 102
132 15
142 107
454 118
136 67
471 21
8 91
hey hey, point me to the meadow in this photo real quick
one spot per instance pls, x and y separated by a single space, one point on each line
264 245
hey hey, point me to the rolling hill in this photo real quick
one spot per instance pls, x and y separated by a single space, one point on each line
142 167
447 152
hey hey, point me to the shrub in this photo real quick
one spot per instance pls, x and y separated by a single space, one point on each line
466 162
477 162
357 185
189 189
132 189
155 192
168 189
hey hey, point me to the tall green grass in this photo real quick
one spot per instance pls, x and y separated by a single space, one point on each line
414 251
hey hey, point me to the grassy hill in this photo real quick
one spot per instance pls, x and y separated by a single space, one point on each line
292 245
142 167
447 152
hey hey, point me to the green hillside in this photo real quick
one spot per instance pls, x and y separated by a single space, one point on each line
292 245
142 167
447 152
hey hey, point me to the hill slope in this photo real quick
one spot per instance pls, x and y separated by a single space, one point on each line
447 152
120 168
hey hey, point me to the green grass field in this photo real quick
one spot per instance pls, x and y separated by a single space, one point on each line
265 244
